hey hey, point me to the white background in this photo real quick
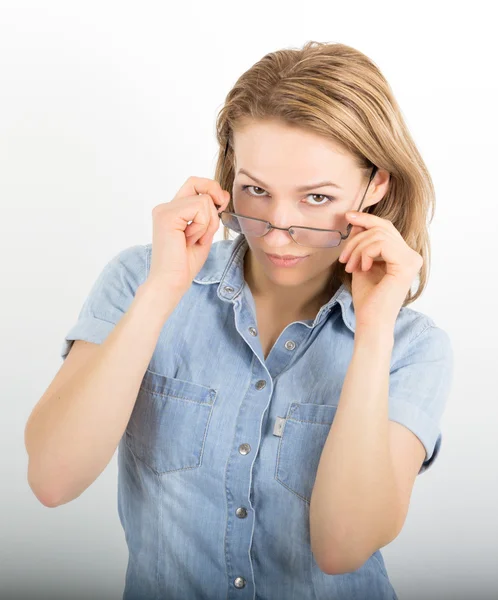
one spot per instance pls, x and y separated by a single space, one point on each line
105 109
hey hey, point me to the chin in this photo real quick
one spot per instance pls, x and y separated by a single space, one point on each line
286 278
290 276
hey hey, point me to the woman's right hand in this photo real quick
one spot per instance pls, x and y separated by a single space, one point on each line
180 249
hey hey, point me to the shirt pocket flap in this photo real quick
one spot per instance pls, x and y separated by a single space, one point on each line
178 388
169 422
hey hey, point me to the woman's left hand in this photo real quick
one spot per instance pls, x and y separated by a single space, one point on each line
383 268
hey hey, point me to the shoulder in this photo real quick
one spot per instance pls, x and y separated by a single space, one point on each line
422 350
135 259
121 274
414 327
131 262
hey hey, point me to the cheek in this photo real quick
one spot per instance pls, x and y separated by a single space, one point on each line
238 200
326 258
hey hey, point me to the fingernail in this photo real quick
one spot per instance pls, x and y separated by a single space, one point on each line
352 215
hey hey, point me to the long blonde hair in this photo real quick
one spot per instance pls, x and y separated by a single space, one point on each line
337 92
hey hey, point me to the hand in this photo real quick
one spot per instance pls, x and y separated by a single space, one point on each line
383 268
183 231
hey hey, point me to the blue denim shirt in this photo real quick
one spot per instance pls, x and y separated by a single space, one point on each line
217 463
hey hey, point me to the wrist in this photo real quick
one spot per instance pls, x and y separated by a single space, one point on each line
159 297
379 336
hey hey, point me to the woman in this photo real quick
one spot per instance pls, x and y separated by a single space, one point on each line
270 415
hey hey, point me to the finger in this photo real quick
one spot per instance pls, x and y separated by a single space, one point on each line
214 225
366 262
369 220
370 255
352 243
371 246
205 232
203 185
200 221
355 230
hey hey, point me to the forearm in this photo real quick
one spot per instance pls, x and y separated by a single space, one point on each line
72 434
354 504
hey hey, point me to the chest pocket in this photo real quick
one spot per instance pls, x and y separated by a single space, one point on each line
169 423
303 437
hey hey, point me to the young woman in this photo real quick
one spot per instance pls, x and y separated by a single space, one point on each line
271 414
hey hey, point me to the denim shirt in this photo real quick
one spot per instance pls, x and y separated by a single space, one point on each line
218 460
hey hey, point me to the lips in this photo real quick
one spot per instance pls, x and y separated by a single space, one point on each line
285 256
285 262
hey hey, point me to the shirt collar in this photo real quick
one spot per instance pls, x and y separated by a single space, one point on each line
225 266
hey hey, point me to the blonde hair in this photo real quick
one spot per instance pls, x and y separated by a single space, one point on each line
336 91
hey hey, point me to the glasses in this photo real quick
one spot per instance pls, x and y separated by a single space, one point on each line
304 236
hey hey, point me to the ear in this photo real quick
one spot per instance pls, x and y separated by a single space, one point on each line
378 188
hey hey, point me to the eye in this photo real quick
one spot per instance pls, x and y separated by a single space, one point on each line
246 187
326 199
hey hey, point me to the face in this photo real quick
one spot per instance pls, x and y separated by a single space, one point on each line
272 162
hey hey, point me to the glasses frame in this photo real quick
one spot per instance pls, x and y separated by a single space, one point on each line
288 229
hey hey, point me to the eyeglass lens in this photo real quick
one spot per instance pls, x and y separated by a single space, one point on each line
302 236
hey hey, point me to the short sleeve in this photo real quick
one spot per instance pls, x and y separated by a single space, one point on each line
109 297
419 386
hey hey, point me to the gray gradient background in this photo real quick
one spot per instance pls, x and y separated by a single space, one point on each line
105 109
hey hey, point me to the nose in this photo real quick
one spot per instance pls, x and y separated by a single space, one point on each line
276 238
280 215
279 238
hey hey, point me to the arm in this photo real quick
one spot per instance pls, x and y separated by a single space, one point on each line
73 431
354 506
369 462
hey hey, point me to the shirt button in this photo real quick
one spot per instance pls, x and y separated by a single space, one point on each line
253 331
239 582
228 289
290 345
244 449
260 384
241 512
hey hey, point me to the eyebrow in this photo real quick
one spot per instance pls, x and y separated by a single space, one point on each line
303 188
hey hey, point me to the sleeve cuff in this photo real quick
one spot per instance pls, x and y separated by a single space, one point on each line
419 423
89 329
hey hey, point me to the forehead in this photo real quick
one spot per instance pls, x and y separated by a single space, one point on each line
273 151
